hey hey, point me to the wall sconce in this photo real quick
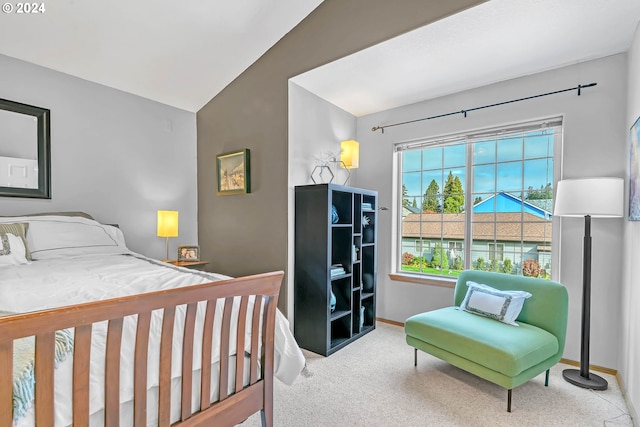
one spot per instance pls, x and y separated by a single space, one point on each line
349 159
350 154
167 226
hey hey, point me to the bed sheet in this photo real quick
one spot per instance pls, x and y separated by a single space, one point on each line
49 283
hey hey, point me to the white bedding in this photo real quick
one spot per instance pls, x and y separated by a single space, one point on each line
74 277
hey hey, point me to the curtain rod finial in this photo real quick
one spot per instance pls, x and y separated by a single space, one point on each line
580 87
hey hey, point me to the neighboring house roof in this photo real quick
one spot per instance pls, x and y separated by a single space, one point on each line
505 202
546 204
509 226
406 210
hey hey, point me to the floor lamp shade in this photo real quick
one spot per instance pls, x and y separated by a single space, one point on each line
167 226
598 198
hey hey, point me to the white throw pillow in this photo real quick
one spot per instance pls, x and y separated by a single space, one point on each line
504 306
12 250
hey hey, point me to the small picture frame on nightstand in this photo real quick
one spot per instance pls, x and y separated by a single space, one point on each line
188 253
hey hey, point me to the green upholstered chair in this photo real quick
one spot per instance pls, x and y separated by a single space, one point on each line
504 354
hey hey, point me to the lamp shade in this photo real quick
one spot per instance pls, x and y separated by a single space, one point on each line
597 197
350 153
167 223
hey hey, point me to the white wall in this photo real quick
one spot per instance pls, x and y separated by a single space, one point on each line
594 145
315 127
630 301
114 155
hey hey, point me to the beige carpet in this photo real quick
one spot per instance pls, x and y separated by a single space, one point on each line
372 382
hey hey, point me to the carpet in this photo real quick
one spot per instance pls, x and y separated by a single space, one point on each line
372 382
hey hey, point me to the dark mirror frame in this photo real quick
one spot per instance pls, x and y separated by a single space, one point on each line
44 151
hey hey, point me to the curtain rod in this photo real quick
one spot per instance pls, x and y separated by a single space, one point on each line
464 112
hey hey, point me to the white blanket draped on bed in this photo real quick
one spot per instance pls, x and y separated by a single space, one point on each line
49 283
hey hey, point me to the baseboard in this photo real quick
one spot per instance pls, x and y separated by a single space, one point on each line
632 410
390 322
591 367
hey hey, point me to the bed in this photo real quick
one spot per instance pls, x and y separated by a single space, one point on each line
94 334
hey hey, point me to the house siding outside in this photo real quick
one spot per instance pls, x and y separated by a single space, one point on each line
502 225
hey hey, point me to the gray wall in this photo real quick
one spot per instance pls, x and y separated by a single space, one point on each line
248 233
594 145
114 155
316 127
629 353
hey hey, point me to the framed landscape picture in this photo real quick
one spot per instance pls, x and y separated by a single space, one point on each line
233 173
634 172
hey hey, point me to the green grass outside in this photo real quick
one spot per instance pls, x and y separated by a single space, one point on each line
446 272
429 270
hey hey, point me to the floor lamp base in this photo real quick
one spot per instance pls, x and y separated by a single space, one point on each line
594 382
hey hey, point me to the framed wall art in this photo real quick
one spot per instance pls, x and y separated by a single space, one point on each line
188 253
634 172
233 173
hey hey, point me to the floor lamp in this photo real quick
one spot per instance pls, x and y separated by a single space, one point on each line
588 198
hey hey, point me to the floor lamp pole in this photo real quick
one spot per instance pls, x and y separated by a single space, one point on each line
583 378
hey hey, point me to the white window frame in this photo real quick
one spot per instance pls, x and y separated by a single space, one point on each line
442 140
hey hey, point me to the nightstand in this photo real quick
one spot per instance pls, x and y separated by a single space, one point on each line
194 265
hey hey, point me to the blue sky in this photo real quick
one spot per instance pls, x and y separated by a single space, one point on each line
522 162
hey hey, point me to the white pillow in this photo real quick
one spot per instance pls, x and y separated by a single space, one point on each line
61 236
484 300
12 250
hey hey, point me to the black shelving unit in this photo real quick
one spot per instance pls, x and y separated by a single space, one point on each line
320 243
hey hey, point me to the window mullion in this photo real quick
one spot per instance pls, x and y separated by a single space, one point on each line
468 208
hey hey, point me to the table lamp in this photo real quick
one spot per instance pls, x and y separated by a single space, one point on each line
167 226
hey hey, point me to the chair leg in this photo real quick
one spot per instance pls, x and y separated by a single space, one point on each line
509 400
546 378
415 357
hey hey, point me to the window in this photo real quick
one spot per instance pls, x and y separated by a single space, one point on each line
455 246
496 251
484 200
422 245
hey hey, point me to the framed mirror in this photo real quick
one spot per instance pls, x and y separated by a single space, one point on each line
25 150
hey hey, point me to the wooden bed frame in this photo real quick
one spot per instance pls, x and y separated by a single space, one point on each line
228 410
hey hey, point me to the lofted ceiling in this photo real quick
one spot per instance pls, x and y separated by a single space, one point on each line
180 53
184 53
492 42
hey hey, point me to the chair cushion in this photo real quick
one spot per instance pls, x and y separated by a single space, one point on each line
490 343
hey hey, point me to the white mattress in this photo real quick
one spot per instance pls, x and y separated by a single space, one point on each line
49 283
